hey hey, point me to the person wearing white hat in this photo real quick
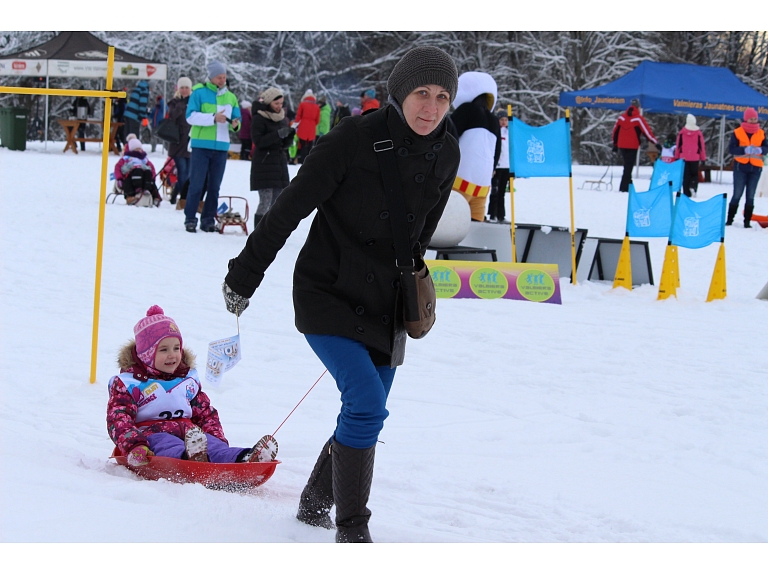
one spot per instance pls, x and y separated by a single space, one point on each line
690 147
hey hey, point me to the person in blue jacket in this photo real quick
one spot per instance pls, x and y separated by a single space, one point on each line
213 112
136 109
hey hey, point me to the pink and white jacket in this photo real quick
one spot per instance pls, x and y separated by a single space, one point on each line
690 146
143 401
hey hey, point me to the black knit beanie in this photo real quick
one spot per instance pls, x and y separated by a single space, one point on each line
421 66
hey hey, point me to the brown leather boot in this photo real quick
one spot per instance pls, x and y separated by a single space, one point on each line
180 204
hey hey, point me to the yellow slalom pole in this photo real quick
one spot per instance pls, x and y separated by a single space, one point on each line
102 207
573 227
64 92
512 197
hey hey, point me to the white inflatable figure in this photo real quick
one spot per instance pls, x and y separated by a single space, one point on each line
453 226
479 138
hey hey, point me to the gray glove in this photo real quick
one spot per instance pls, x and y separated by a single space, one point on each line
284 132
236 303
753 150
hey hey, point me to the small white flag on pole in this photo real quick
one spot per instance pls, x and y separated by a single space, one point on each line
223 355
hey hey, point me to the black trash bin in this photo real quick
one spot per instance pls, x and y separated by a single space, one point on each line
13 128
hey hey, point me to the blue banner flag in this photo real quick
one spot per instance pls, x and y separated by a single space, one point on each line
664 172
649 214
698 224
539 152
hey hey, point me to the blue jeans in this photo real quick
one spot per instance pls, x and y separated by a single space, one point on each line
182 172
364 388
742 180
204 163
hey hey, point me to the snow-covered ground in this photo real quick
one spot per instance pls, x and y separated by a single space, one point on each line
613 417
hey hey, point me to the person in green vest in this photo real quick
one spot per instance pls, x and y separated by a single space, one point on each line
324 126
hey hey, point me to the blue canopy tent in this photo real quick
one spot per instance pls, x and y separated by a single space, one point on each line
675 89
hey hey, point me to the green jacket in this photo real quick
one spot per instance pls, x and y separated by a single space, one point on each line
205 102
324 125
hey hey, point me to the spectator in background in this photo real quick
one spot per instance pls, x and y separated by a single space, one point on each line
356 111
118 110
496 210
158 115
271 136
307 118
747 146
177 113
691 148
341 112
212 112
244 135
136 109
626 139
368 101
324 125
81 110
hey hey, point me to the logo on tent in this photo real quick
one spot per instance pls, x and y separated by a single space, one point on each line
151 69
19 65
535 153
691 226
62 65
91 55
37 53
642 217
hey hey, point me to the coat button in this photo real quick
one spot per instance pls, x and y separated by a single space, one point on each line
385 319
384 215
395 284
430 155
359 310
402 152
437 146
370 242
359 329
419 178
369 278
410 218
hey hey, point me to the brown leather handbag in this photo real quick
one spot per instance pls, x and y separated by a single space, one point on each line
416 287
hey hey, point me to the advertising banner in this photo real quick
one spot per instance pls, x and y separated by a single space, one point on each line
495 280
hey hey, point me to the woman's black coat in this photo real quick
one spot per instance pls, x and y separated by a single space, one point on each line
177 113
269 163
345 282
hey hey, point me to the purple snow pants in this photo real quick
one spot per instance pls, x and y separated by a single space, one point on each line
167 445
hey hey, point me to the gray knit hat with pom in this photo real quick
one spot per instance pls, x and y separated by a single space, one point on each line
421 66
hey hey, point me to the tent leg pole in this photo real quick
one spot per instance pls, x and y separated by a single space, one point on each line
45 145
722 149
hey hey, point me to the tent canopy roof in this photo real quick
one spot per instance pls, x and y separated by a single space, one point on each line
75 46
78 54
674 89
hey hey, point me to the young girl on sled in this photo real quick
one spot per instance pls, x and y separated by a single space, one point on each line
157 406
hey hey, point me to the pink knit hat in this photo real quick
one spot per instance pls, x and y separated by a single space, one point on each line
750 113
150 331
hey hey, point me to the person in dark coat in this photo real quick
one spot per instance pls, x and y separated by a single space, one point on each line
136 108
177 113
81 110
118 109
271 138
341 112
244 135
627 131
346 281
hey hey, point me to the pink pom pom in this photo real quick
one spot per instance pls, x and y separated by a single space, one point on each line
155 310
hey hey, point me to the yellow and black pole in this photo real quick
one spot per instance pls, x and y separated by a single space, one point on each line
108 93
717 287
511 189
570 184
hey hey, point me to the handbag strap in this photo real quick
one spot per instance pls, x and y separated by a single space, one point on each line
393 190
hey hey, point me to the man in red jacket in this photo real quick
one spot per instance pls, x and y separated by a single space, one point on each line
626 138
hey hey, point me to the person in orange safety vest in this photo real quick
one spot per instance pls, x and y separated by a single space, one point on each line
747 146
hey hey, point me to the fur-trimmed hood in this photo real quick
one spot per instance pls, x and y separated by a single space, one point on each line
127 359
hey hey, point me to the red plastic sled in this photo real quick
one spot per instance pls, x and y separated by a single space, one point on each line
221 476
762 220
